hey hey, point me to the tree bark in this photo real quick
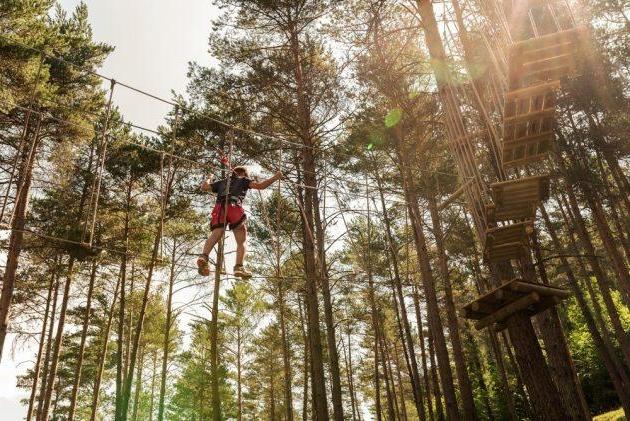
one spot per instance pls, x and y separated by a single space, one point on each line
536 376
421 336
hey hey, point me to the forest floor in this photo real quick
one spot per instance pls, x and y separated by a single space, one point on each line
616 415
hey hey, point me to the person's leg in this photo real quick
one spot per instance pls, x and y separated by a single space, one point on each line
214 238
240 236
202 260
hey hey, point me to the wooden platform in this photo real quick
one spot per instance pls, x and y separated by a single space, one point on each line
527 149
514 296
507 242
545 58
517 199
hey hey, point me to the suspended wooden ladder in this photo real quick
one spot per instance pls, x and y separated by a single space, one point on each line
536 67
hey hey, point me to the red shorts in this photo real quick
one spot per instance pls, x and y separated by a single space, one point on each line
235 216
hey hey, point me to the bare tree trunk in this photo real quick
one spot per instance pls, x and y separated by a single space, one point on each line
434 377
136 399
286 355
307 363
42 341
401 388
25 175
57 346
410 353
153 385
308 202
120 374
536 375
391 398
145 300
51 329
86 324
103 355
430 294
167 332
425 371
465 387
616 371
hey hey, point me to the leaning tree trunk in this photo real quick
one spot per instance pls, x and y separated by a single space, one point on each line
25 176
603 282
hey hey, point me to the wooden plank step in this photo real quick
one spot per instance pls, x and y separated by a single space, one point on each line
532 124
516 295
549 57
507 242
527 150
517 199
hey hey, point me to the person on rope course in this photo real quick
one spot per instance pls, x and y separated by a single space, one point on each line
235 217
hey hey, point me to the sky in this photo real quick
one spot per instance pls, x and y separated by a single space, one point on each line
155 40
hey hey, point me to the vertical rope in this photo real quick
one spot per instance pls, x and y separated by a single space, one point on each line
96 185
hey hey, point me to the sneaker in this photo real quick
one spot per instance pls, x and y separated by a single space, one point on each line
240 272
202 266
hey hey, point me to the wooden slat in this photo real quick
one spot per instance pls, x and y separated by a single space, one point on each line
539 288
534 90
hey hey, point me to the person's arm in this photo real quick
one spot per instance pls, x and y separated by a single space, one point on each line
261 185
206 185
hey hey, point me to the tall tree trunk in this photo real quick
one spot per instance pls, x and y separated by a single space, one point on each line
51 330
451 314
103 355
401 388
558 356
145 300
616 371
136 398
25 176
476 362
437 395
84 331
153 385
57 346
387 376
307 363
308 202
286 354
42 340
167 332
239 381
430 294
536 375
425 371
410 353
122 305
